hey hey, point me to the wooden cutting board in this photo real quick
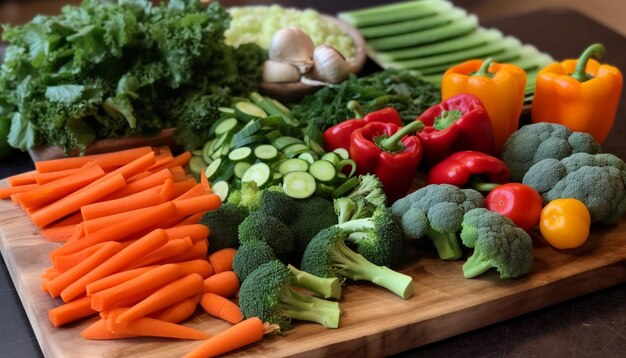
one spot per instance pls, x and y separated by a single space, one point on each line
375 322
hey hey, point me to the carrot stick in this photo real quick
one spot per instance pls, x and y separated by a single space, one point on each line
196 205
196 190
63 263
73 219
225 284
6 192
163 150
44 178
79 233
23 178
220 307
148 282
179 160
181 187
93 225
129 254
150 327
175 291
199 266
116 279
150 181
190 220
99 331
162 254
204 180
196 232
178 173
71 311
179 311
240 335
161 160
60 283
105 160
55 190
198 251
58 234
120 230
222 260
73 202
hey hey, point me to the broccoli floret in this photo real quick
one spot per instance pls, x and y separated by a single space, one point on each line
223 223
378 238
251 255
258 226
344 208
327 255
370 189
248 196
497 243
270 293
599 181
535 142
278 205
311 215
436 211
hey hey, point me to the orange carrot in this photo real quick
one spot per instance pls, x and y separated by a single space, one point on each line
55 190
23 178
163 150
73 219
162 254
58 234
105 160
205 181
124 258
240 335
99 331
71 311
116 279
73 202
63 263
120 230
44 178
161 160
181 187
60 283
199 266
179 311
150 181
179 160
178 173
198 251
196 232
196 190
196 205
79 233
190 220
150 327
6 192
144 284
220 307
222 260
225 284
175 291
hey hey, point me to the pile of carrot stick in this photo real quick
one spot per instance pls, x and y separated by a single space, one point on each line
132 251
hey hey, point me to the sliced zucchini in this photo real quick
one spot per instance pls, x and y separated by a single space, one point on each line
260 173
213 168
207 151
240 154
323 171
342 152
196 166
240 168
226 125
299 185
273 135
315 146
325 191
332 157
197 152
309 157
227 110
293 165
221 188
253 139
295 149
246 111
345 162
282 142
346 187
266 152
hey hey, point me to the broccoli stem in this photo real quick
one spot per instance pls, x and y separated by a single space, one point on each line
446 244
327 287
356 267
308 308
358 225
475 265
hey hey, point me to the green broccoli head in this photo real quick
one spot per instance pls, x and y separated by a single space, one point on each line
377 238
535 142
248 196
251 255
223 223
371 190
277 204
436 211
599 181
269 292
258 226
327 255
310 216
497 243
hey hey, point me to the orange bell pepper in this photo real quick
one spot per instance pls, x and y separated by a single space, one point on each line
500 87
580 94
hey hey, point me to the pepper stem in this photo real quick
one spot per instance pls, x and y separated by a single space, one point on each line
484 68
478 184
579 74
446 119
355 107
393 143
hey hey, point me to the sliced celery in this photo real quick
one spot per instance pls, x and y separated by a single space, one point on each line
440 18
386 14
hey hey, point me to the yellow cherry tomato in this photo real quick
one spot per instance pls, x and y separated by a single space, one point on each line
565 223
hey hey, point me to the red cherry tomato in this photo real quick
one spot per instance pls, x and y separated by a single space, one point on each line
518 202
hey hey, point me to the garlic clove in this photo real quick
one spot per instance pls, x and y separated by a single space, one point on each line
274 71
311 82
293 46
329 65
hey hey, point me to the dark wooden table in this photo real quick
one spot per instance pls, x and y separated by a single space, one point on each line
590 326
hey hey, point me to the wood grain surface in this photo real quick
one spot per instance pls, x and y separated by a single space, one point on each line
375 322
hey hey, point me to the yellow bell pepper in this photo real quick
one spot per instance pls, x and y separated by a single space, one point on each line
582 94
500 87
565 223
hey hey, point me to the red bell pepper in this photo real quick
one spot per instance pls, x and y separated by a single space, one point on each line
458 123
461 167
386 150
338 136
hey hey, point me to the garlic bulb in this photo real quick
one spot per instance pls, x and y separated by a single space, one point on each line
293 46
329 65
279 72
